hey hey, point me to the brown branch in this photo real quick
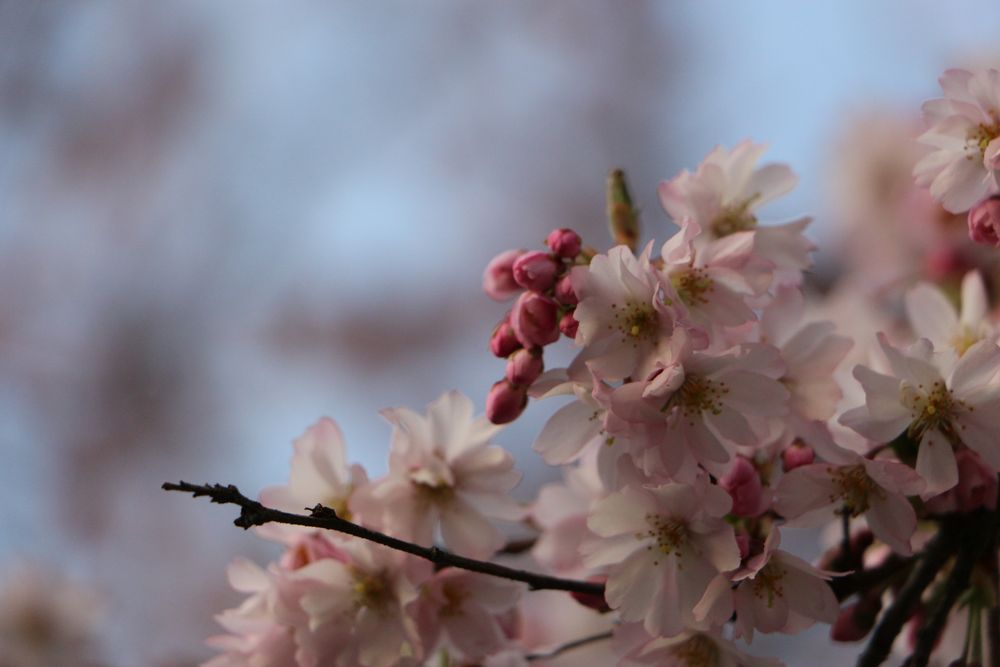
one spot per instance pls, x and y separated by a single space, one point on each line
863 580
252 513
569 646
932 560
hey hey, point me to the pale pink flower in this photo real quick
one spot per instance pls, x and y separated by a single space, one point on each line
935 412
848 482
623 313
984 222
319 475
774 592
693 648
444 473
723 194
458 611
357 608
710 281
663 545
707 404
963 133
932 315
576 425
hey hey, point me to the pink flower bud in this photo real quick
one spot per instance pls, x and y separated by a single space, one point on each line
524 367
503 342
505 402
595 602
535 320
856 620
568 325
743 484
797 454
564 292
984 222
536 270
564 242
977 483
498 278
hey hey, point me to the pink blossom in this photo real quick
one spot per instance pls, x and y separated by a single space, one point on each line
458 610
319 475
524 366
932 315
963 136
694 648
623 314
875 488
535 270
505 402
796 455
937 413
564 292
984 222
503 340
663 545
977 487
444 473
498 278
743 484
564 242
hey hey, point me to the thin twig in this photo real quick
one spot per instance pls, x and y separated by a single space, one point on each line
863 580
252 513
933 559
576 643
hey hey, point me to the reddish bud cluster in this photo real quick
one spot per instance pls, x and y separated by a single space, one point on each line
543 310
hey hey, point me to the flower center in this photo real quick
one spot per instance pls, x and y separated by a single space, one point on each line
768 582
636 320
855 488
668 533
931 410
735 218
697 394
371 590
454 596
963 340
692 285
979 138
699 651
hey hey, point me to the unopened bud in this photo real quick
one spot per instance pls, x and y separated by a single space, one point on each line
568 325
505 402
856 620
564 242
564 292
498 278
623 219
743 484
534 319
591 601
797 454
984 222
503 341
524 367
535 270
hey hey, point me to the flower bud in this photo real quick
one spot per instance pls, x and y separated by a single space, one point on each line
564 242
856 620
505 402
503 342
797 454
984 222
534 319
595 602
568 325
977 487
743 484
536 271
564 292
498 278
524 367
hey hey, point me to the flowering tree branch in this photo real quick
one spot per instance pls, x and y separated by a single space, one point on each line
569 646
253 513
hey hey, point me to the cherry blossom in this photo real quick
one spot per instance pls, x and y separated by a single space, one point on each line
444 473
964 127
933 316
694 648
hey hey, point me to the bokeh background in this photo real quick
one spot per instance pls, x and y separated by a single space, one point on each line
222 220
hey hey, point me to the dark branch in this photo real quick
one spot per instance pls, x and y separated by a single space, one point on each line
932 560
865 580
978 535
569 646
252 513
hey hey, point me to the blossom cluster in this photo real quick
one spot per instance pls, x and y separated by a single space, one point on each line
707 411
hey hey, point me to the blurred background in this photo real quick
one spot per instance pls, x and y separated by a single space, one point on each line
222 220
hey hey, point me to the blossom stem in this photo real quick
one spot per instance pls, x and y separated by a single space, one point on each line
252 513
978 535
932 560
569 646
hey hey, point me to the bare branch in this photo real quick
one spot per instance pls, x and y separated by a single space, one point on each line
252 513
